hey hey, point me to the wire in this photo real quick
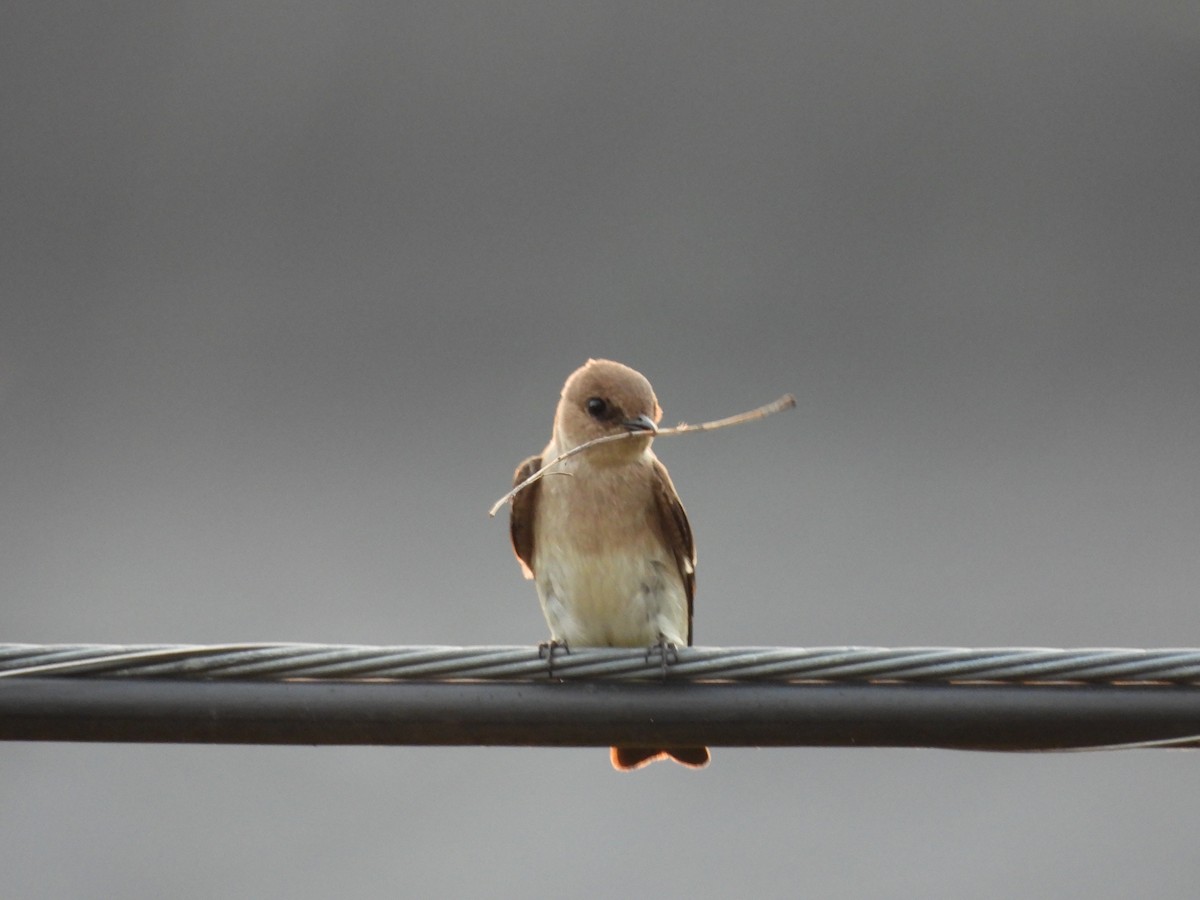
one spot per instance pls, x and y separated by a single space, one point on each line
277 662
992 699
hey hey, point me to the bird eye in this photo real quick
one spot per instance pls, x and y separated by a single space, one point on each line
596 407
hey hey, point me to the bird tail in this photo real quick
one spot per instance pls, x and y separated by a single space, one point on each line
626 759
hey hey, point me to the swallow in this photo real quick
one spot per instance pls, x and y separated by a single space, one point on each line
604 536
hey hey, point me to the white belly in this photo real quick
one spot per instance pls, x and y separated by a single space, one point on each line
620 599
603 572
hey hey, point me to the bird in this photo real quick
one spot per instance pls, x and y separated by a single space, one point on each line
604 536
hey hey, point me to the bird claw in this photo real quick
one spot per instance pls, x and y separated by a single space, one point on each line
667 652
546 651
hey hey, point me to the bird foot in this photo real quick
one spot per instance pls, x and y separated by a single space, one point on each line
546 650
666 651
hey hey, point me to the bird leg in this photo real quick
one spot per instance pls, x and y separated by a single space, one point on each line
546 651
665 650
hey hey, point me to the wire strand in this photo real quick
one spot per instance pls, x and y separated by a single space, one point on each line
1011 699
923 665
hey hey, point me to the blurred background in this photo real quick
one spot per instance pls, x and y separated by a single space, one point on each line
288 290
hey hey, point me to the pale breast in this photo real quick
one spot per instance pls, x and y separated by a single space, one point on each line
603 571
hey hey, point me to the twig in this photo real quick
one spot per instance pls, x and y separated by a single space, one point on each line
787 401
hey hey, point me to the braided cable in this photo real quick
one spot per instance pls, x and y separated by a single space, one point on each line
924 665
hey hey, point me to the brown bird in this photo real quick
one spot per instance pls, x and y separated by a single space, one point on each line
607 542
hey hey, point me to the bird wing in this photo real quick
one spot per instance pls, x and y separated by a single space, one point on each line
520 518
677 532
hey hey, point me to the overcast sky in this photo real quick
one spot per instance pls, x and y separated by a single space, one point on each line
288 290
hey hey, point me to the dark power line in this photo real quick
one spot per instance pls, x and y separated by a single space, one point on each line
995 699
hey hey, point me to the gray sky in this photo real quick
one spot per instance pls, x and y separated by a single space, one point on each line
289 290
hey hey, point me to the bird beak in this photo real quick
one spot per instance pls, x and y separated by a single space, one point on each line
641 423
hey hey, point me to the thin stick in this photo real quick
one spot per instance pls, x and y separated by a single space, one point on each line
787 401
